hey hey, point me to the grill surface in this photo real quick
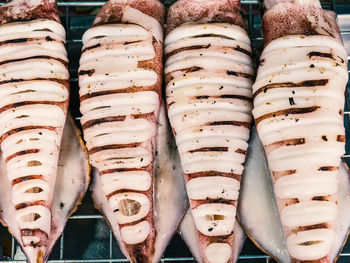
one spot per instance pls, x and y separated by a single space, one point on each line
87 238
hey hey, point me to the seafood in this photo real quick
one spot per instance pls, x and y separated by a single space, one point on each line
298 111
259 216
257 210
34 94
188 232
208 74
170 192
120 78
71 184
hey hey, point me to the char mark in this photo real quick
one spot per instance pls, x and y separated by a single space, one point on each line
213 35
183 71
118 170
44 30
310 227
235 97
34 57
176 51
341 59
25 103
234 123
13 131
290 142
91 123
20 153
88 72
60 81
286 112
171 103
13 41
241 151
321 198
291 101
305 83
131 42
132 89
191 69
99 45
92 47
328 168
239 74
291 201
26 178
210 149
126 190
148 116
23 40
202 97
341 138
26 204
196 47
212 173
113 146
238 48
278 174
195 203
319 54
229 96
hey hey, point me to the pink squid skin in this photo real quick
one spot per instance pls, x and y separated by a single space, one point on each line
19 10
184 11
293 19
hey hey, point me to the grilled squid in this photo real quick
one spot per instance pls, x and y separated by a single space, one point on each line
72 181
209 74
298 111
120 78
188 233
33 106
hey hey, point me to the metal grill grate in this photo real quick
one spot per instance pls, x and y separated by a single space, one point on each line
87 238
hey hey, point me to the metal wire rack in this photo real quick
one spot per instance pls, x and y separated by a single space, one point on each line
87 238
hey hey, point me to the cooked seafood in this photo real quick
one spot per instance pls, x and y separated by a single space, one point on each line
259 216
188 232
257 210
120 79
71 184
208 74
171 200
298 110
34 99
